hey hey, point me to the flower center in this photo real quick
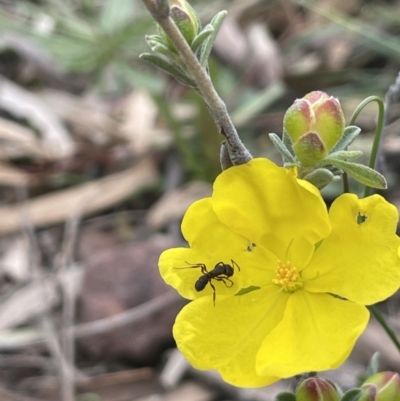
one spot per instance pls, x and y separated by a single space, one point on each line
288 277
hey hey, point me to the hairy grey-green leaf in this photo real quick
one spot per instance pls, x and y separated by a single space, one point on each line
349 134
152 40
287 141
216 23
155 43
373 365
320 177
344 154
201 37
170 55
361 173
164 64
279 145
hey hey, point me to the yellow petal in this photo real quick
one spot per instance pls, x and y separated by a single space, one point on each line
316 333
266 203
359 260
226 337
212 243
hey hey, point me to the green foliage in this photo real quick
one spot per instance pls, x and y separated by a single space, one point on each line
99 41
288 157
165 56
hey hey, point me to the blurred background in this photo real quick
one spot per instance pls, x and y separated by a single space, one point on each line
101 154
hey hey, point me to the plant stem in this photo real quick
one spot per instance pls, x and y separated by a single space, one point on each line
237 151
381 320
378 131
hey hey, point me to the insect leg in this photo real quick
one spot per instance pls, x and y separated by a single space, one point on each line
224 280
235 264
213 288
200 266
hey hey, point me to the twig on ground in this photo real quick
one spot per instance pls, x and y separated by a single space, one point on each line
26 361
68 304
124 318
52 341
8 395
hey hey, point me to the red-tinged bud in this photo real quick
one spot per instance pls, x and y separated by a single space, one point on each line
382 386
185 19
319 114
309 148
316 389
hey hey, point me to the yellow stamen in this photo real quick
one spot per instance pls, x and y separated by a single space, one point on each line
287 277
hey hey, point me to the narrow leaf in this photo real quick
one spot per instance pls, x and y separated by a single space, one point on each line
349 134
171 56
164 64
344 154
287 156
288 142
361 173
216 23
373 365
201 37
156 38
154 43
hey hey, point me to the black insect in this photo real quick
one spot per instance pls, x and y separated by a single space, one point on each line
221 272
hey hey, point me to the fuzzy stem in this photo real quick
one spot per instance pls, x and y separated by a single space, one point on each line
237 151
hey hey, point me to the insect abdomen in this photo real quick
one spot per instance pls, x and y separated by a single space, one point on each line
201 283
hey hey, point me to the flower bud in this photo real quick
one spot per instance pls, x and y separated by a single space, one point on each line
316 389
185 19
382 386
315 124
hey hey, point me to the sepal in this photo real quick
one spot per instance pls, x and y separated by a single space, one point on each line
382 386
310 149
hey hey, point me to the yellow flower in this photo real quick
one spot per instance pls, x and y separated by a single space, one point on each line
295 298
